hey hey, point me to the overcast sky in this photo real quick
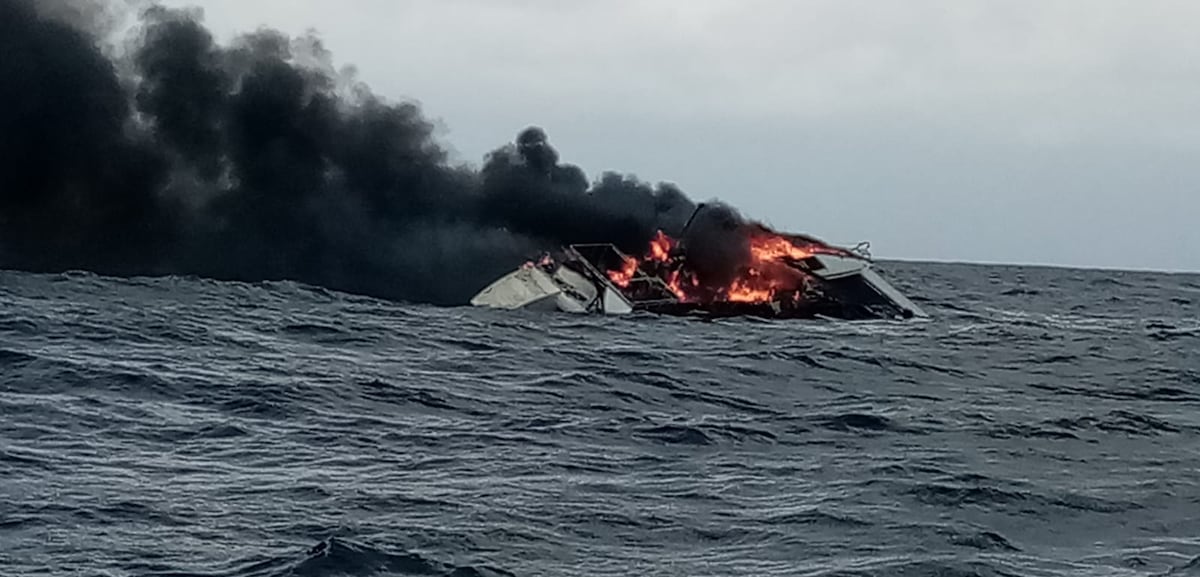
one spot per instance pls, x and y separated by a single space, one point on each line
1025 131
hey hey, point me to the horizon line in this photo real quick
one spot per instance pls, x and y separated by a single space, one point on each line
1053 265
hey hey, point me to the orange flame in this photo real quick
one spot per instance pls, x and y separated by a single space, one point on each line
774 248
660 247
740 293
624 275
675 279
768 275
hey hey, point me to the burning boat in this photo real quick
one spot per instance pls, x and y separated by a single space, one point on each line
776 276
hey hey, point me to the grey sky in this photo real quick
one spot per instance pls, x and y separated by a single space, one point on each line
1032 131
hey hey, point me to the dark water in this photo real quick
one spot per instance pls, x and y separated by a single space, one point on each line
1045 423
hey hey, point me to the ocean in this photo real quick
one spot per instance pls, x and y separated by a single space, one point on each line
1044 422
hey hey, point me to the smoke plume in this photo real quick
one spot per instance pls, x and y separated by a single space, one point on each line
259 161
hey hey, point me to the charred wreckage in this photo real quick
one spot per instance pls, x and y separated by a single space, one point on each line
776 276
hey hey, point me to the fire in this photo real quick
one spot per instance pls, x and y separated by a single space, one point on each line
751 288
771 273
625 274
658 262
768 275
740 293
675 283
660 247
774 248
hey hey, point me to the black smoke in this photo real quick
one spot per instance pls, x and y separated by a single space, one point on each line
527 191
259 161
717 244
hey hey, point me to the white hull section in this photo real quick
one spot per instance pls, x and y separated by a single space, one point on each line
567 291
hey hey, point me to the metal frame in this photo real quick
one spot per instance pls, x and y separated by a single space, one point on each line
640 275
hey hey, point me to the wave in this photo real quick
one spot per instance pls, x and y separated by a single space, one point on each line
187 427
338 557
1025 501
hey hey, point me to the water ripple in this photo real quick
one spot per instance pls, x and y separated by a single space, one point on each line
1043 423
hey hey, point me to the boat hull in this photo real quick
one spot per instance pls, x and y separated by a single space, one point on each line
854 291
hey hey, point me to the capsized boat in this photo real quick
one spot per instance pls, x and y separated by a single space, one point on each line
601 279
